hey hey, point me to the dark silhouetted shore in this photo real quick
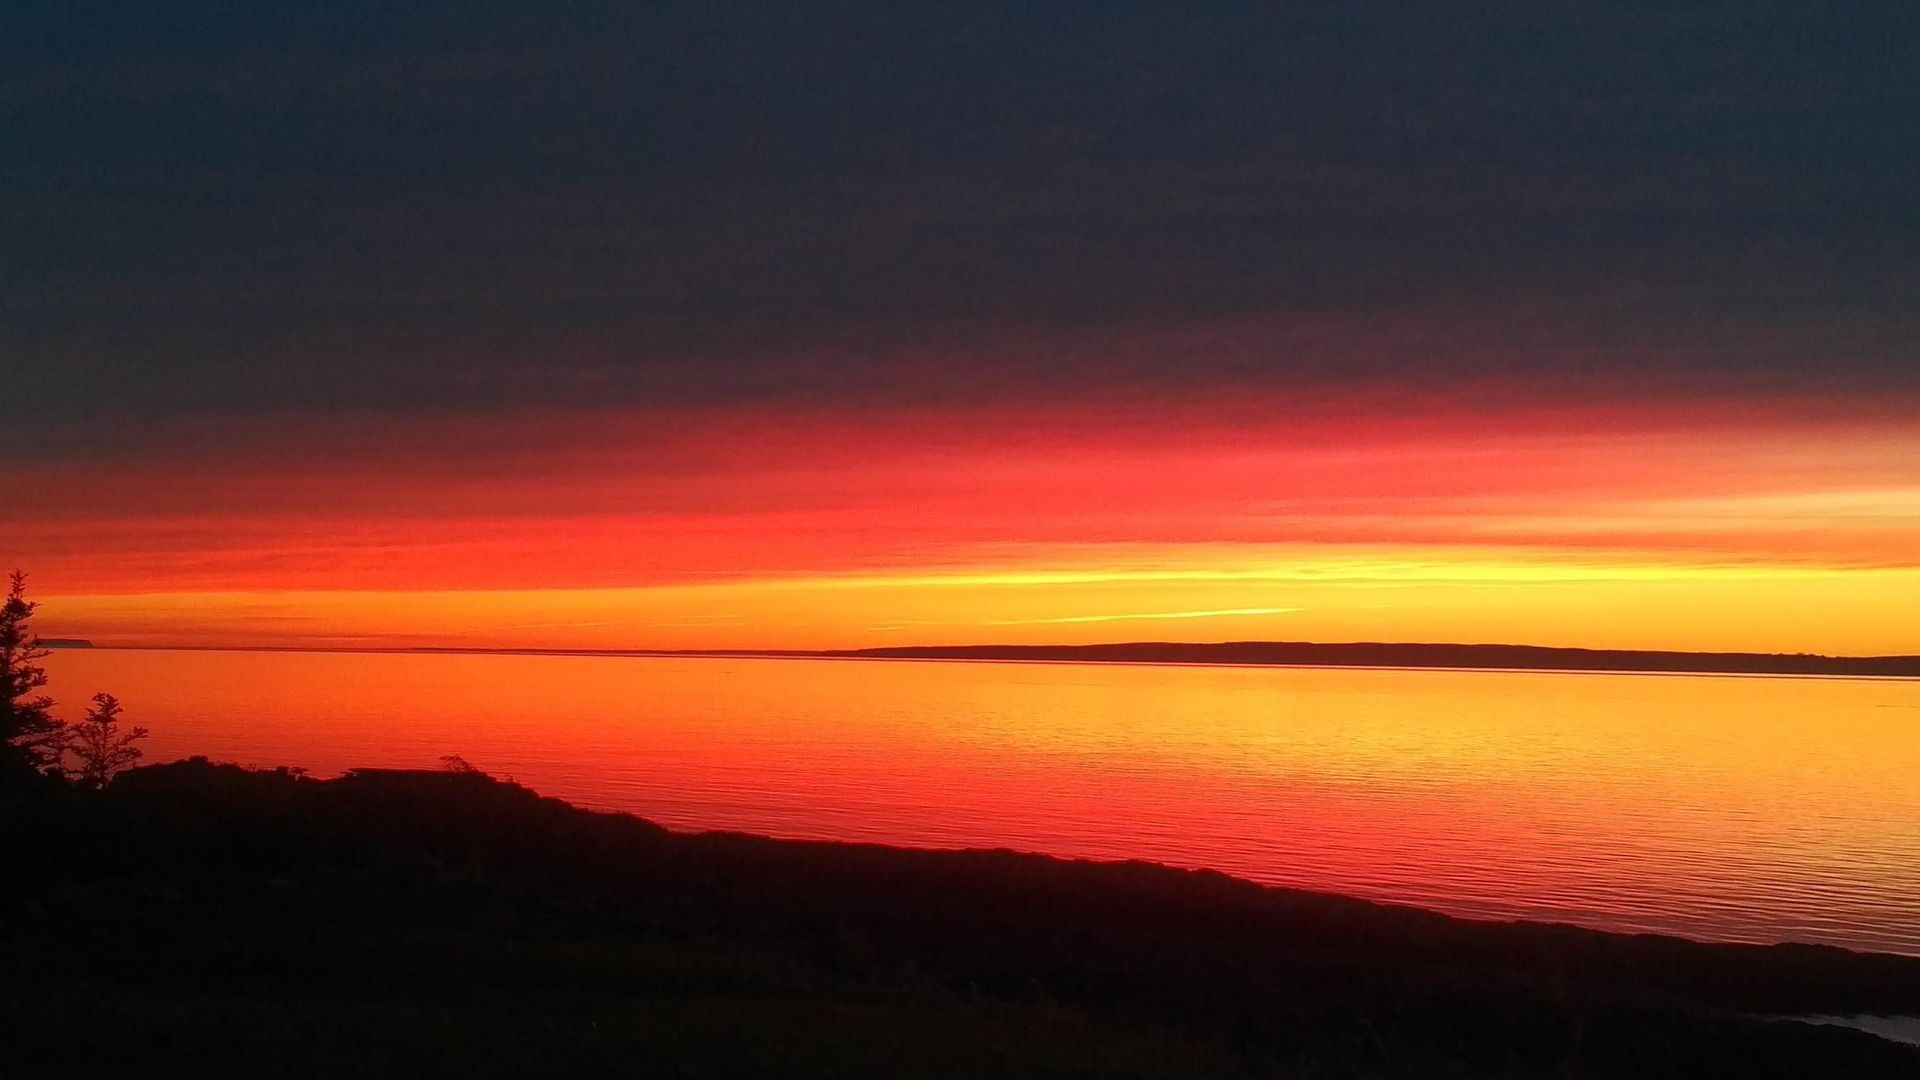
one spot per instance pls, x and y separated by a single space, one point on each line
198 919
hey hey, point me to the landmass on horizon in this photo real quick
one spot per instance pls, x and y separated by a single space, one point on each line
1239 653
1415 654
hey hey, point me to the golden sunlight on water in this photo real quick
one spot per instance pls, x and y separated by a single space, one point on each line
1755 809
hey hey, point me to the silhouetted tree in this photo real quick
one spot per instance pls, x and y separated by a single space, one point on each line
30 738
102 747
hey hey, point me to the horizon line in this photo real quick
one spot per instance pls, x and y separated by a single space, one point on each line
1103 652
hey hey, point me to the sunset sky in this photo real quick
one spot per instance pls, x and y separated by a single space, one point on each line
542 326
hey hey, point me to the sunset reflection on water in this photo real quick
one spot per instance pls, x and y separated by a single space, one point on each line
1734 808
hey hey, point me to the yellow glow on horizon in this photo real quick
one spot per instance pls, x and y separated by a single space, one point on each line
1610 527
1460 595
1214 614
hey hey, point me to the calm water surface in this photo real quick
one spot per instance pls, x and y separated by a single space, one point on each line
1734 808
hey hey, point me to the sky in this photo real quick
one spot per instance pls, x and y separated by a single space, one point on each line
714 326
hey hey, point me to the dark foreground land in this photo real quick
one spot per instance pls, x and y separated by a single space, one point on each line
205 920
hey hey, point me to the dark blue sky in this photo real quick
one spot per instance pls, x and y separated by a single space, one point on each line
392 209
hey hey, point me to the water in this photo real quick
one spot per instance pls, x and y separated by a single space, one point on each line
1723 808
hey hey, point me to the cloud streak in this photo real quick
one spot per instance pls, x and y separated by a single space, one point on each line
1064 620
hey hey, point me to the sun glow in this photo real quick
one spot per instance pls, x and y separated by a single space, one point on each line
1604 528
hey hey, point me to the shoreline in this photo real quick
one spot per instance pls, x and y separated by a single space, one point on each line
286 897
1599 661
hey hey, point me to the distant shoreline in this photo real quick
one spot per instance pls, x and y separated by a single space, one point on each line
1411 655
1475 657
